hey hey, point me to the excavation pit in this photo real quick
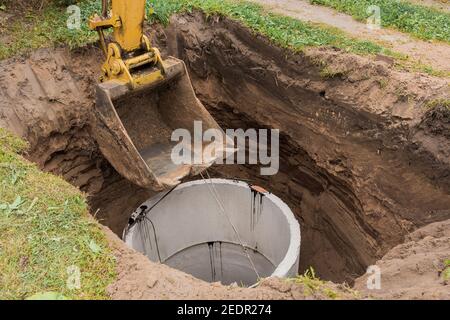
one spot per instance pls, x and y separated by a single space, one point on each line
361 164
202 227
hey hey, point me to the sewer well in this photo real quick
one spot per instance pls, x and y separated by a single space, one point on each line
218 230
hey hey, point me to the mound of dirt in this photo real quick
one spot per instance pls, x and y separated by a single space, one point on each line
413 270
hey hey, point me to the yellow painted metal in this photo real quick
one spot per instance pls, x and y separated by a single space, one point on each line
131 48
132 15
127 20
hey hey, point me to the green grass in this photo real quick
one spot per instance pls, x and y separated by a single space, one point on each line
284 31
422 22
313 285
438 103
46 230
446 271
49 27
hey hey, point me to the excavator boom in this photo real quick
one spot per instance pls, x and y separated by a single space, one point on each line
141 99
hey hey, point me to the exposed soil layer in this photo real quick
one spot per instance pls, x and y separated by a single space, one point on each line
363 161
414 269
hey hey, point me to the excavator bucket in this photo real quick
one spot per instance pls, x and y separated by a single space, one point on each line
133 127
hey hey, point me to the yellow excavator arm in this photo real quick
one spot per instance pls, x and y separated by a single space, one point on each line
141 100
131 48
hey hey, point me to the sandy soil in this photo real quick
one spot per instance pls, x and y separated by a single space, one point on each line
435 54
413 270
